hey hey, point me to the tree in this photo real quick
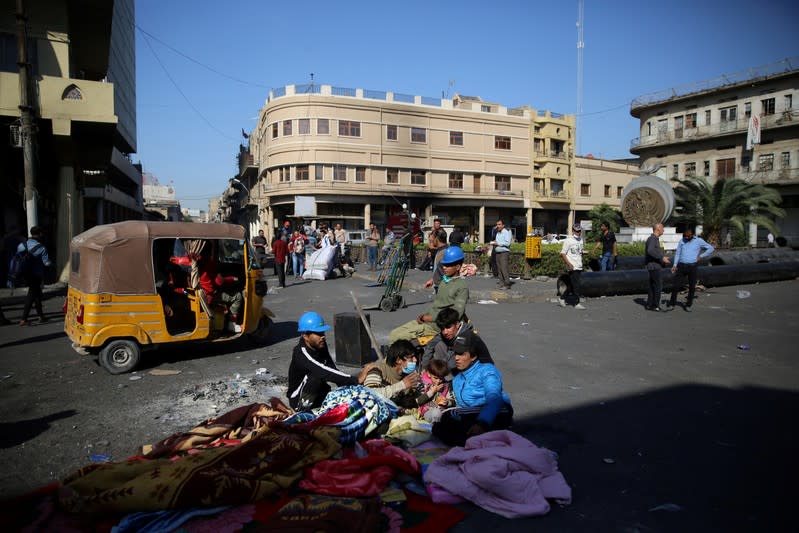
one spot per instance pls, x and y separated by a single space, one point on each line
603 213
731 201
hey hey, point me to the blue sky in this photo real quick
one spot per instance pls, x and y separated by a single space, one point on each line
191 110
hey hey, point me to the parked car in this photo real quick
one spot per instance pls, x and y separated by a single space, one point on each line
552 238
357 236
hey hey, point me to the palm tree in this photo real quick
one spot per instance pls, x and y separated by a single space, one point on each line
602 213
730 201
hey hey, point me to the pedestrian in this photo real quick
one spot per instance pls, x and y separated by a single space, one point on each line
372 240
770 239
280 249
501 254
456 238
492 258
689 251
340 235
259 243
571 253
607 239
298 254
654 259
312 367
388 243
34 274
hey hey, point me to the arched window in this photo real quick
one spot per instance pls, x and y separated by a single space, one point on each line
72 92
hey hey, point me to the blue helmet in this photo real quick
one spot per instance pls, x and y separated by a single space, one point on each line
311 322
452 255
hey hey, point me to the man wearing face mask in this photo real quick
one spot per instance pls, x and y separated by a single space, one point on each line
396 377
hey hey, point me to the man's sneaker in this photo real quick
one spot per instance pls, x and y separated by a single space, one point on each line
561 302
580 306
688 309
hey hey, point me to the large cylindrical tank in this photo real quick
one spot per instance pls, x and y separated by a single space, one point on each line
646 201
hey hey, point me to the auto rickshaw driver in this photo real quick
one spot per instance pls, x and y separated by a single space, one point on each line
217 288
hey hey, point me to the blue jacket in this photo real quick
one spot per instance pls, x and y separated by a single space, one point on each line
481 385
36 249
689 252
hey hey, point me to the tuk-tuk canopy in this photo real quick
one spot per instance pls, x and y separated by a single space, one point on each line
117 258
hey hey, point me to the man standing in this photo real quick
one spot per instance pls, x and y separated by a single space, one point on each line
501 245
340 235
689 251
34 275
259 243
280 249
770 239
571 253
609 249
456 238
312 366
654 260
372 240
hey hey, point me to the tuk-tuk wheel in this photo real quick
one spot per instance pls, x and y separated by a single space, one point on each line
120 356
261 334
387 304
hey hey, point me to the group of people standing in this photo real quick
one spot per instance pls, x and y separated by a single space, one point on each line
436 366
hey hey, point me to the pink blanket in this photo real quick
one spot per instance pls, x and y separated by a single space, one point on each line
501 472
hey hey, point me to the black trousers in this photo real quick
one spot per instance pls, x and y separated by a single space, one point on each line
34 297
655 289
281 273
684 271
455 423
574 279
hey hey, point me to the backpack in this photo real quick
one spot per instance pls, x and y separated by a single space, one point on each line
21 265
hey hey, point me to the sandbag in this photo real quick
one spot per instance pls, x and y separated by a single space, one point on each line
321 263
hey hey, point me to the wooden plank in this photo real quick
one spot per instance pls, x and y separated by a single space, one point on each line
359 310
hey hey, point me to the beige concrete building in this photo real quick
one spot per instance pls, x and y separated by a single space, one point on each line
83 97
354 156
702 129
599 181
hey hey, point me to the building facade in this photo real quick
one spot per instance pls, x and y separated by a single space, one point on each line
82 94
354 156
703 129
600 181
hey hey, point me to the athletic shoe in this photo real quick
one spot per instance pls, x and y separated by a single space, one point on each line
580 306
561 302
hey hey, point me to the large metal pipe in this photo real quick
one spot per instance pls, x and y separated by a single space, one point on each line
618 282
719 257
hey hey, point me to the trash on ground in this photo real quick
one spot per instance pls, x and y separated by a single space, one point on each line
260 371
741 294
99 458
572 387
609 461
671 507
525 323
134 378
487 302
744 347
521 355
163 372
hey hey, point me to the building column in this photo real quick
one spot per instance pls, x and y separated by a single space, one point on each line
428 212
69 216
570 222
529 220
481 222
367 215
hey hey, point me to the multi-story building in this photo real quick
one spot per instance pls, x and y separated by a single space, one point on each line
355 156
600 181
82 93
703 129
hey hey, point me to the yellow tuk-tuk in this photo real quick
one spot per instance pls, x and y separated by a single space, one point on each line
137 284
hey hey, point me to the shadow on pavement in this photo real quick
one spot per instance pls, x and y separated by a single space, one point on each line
14 433
38 338
724 459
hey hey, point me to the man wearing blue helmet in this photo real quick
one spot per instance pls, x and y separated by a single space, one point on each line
312 367
452 293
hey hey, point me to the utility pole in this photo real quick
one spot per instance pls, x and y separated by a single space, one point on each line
26 112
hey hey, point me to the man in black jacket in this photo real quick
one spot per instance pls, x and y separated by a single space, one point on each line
455 331
654 261
312 367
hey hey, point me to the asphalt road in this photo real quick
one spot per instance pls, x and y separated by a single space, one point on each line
661 422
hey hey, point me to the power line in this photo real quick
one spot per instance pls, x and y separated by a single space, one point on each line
147 41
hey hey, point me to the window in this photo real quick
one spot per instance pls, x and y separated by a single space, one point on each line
456 138
536 129
707 117
285 174
619 190
485 108
455 180
678 126
349 128
322 126
501 142
788 102
706 171
319 173
607 191
302 173
765 162
538 185
304 126
690 169
675 170
360 175
690 121
391 132
339 173
585 189
747 109
502 183
785 160
767 106
729 114
274 130
418 177
392 176
649 127
725 168
418 135
538 146
286 128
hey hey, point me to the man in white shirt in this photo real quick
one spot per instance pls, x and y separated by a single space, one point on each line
571 253
502 252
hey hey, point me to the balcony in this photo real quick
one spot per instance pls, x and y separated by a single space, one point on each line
548 195
783 176
366 188
786 118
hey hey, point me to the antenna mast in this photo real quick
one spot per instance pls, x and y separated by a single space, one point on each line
580 48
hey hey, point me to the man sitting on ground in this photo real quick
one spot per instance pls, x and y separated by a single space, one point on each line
454 332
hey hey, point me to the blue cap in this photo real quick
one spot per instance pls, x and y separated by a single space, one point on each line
452 254
311 322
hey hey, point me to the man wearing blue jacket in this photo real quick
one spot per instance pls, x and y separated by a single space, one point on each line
689 251
34 278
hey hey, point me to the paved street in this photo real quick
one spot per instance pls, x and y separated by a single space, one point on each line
646 410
